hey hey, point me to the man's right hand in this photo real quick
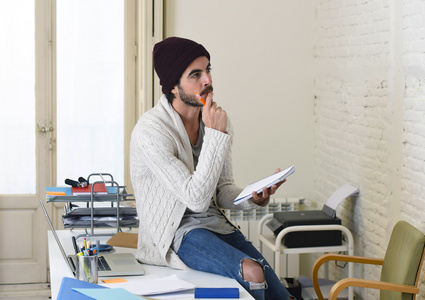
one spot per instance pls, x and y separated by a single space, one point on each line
213 115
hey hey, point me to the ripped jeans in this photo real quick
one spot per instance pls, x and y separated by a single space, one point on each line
222 254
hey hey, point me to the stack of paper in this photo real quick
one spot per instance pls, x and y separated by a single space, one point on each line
157 286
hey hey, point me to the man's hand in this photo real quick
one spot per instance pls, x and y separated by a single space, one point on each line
263 198
214 116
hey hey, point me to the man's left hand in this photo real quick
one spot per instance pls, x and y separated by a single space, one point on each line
263 198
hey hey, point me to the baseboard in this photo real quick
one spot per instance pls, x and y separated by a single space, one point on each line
38 291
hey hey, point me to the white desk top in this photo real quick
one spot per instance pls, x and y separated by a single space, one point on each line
59 268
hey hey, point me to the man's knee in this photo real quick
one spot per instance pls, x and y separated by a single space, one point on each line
252 271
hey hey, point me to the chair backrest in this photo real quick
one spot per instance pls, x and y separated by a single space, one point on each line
403 259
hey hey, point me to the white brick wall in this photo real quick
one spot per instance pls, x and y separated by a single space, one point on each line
370 118
413 175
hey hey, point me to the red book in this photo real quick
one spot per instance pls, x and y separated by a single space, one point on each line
99 189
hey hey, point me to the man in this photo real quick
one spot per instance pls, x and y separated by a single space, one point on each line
181 171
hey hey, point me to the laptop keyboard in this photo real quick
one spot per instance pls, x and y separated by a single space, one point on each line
102 264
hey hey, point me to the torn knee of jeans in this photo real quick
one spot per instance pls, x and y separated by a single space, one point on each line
254 285
261 262
257 285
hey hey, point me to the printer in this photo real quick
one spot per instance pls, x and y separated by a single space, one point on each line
326 216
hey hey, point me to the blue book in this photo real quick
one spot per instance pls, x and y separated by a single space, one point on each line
66 291
112 189
216 293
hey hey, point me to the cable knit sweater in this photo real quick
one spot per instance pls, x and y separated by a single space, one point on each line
165 182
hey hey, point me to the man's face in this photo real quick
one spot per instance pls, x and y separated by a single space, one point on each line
188 99
195 79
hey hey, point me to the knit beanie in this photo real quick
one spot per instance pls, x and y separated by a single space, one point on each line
172 56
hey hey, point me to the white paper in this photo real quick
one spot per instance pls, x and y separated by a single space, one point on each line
146 287
265 182
340 194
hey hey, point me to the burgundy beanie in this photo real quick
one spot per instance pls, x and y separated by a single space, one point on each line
172 56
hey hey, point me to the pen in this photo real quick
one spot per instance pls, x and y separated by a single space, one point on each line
74 242
200 99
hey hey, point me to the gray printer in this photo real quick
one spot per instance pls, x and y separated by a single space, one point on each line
326 216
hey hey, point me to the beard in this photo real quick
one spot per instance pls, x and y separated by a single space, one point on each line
192 100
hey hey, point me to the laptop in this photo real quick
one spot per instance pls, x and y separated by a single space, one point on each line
110 264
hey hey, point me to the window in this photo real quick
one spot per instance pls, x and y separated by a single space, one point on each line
17 94
90 88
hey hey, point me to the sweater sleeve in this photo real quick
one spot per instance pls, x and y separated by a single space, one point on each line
227 190
167 158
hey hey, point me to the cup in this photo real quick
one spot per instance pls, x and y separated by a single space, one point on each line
87 268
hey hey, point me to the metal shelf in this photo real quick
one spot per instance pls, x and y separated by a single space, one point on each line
275 243
119 194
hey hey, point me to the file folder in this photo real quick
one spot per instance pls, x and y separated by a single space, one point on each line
66 291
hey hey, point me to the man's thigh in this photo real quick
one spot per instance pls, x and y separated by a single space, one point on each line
203 250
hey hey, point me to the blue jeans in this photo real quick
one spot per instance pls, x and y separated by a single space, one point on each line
222 254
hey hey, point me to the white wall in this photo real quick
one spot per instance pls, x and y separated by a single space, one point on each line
262 58
351 110
369 116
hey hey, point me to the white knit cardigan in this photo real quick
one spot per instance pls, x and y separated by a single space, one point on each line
165 182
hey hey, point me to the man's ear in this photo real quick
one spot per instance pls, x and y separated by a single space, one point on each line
175 90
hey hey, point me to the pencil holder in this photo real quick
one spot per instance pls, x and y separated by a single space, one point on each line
87 268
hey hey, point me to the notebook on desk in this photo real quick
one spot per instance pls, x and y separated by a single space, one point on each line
67 292
110 264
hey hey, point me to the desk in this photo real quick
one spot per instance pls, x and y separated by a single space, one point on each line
59 268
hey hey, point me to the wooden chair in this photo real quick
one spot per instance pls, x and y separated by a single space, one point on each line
401 266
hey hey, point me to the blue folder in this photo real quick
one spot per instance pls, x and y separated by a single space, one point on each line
216 293
66 291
